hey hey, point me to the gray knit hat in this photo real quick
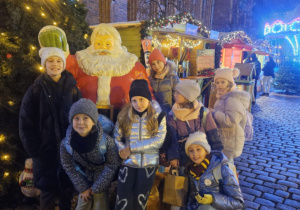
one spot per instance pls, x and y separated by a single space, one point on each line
47 52
197 138
84 106
189 89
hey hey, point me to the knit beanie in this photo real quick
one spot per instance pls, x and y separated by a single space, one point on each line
84 106
197 138
156 55
189 89
227 73
139 87
47 52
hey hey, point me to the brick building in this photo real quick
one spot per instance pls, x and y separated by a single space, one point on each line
219 15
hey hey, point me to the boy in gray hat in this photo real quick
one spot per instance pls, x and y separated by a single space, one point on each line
89 156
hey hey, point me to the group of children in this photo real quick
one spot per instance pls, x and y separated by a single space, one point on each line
92 155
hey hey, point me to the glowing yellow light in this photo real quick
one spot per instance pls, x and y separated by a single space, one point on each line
2 137
27 7
33 47
11 103
6 174
54 23
43 14
3 34
85 36
41 68
5 157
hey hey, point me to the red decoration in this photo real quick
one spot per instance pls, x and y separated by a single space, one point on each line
8 56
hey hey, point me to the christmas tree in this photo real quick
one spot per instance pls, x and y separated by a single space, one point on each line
20 22
288 77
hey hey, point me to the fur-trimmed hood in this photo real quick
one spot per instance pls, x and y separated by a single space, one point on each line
243 96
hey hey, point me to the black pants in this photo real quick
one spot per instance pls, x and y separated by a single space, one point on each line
134 185
47 199
64 191
255 88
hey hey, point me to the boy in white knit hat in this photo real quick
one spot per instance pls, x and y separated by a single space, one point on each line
202 169
43 122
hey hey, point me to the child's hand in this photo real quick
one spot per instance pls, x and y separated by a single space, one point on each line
174 163
86 195
124 153
207 199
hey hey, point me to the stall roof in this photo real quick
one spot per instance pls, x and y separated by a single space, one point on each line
172 31
122 24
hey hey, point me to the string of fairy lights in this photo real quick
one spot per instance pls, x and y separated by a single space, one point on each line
241 35
174 42
183 18
43 14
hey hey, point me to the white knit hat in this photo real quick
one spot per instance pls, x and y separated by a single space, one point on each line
197 138
189 89
227 73
47 52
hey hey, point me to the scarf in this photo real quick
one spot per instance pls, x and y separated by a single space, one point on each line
162 74
84 144
185 114
197 170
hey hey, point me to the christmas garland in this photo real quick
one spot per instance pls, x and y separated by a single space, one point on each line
157 23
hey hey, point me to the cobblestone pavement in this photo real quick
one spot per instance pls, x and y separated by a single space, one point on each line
269 168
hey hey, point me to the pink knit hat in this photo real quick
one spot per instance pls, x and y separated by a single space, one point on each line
156 55
227 73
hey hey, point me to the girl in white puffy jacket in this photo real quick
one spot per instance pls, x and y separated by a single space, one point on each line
139 136
230 112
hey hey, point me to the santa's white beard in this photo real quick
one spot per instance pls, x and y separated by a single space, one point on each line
112 64
105 66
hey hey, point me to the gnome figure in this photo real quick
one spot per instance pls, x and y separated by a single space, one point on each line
26 180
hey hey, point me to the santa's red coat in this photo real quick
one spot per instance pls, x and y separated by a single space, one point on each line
119 86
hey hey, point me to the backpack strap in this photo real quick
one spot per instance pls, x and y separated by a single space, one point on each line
68 147
103 146
161 115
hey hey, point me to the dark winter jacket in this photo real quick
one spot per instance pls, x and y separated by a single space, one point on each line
99 172
269 68
257 66
226 194
181 130
43 121
163 89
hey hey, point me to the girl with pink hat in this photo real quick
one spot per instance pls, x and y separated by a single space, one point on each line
163 79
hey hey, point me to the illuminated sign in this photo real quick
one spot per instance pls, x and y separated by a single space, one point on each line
278 26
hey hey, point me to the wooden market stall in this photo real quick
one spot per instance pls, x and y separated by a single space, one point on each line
182 47
236 47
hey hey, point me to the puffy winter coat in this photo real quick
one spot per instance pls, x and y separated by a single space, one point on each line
144 148
99 172
42 126
257 66
230 116
164 89
181 130
269 68
226 193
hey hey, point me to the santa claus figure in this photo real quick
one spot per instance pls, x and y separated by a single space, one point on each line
105 69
